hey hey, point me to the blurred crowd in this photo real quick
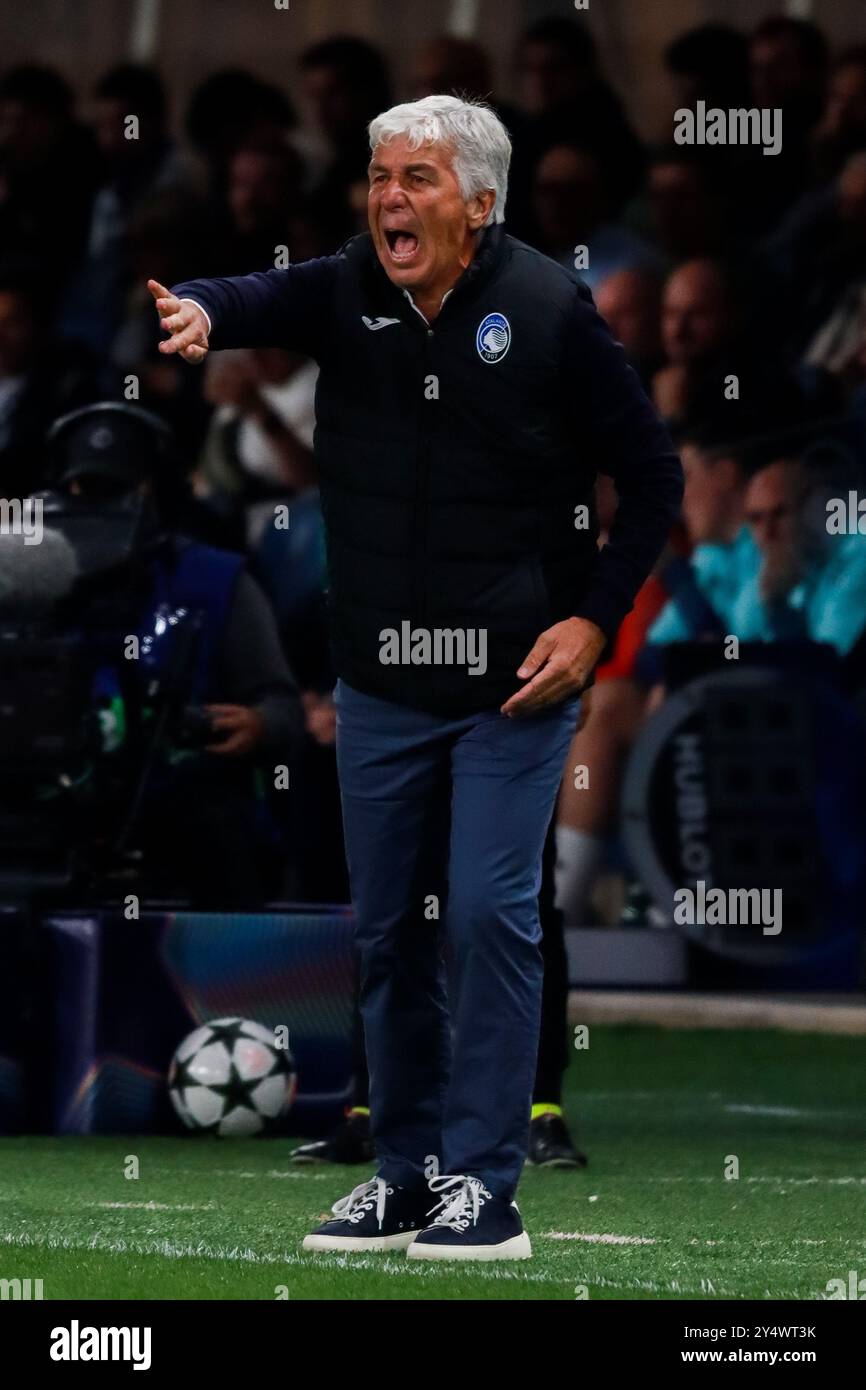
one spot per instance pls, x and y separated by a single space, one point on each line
735 280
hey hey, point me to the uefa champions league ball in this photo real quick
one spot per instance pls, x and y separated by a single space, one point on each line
229 1077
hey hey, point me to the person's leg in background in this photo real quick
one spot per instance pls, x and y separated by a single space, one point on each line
349 1141
550 1143
587 804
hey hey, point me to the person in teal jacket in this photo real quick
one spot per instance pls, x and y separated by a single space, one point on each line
811 583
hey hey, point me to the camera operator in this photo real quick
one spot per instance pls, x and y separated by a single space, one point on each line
215 704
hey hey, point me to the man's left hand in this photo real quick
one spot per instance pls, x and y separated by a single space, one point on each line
559 665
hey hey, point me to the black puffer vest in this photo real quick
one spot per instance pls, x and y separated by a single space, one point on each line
450 471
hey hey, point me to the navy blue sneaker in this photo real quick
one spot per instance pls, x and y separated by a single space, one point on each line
472 1225
376 1215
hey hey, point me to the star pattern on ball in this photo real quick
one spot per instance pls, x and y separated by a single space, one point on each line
236 1092
182 1076
228 1032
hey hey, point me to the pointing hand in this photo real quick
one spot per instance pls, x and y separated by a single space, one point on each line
184 321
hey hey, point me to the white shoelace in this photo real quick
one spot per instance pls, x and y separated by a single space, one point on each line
462 1200
362 1199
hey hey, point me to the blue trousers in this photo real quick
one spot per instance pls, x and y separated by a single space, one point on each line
445 822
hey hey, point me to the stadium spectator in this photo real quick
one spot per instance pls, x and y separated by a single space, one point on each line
260 441
838 339
689 205
704 588
38 380
841 131
232 109
262 188
566 99
712 350
457 67
164 231
556 62
698 327
763 567
708 63
812 581
345 83
574 216
48 172
812 263
586 811
139 163
684 599
788 68
630 302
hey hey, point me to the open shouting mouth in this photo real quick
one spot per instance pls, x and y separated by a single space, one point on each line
402 245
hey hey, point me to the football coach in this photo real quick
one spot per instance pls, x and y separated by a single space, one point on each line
468 394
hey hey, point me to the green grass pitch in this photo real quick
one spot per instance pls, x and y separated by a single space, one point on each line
653 1217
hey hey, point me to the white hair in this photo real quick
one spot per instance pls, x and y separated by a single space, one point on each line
479 142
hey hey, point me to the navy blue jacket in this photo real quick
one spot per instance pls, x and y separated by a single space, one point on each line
456 459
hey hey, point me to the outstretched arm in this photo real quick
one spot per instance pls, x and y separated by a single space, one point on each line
273 308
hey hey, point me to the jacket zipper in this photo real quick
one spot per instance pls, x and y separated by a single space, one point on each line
421 526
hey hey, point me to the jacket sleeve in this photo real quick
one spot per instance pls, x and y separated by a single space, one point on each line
271 308
618 428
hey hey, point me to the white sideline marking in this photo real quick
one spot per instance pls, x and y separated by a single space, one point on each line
650 1095
203 1251
675 1286
292 1173
792 1182
605 1239
710 1099
272 1173
242 1173
850 1243
795 1112
154 1206
786 1110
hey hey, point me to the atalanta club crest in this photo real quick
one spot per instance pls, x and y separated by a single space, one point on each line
493 338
